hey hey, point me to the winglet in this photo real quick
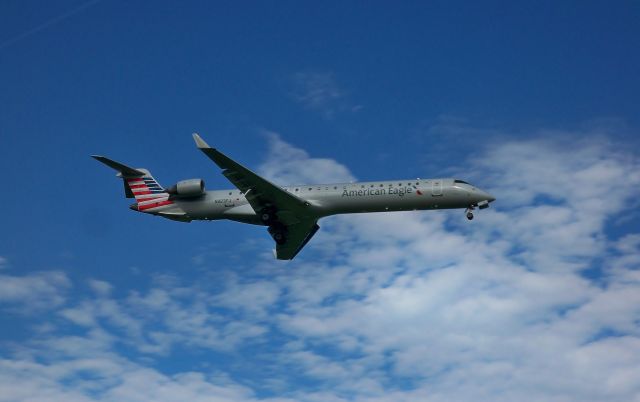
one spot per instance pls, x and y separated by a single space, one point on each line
200 142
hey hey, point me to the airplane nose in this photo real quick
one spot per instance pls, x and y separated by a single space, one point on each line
484 199
486 196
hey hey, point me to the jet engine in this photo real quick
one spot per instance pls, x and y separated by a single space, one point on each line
187 188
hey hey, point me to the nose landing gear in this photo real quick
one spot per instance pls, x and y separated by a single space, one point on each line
469 212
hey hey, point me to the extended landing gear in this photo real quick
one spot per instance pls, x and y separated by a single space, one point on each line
480 205
268 216
276 229
279 237
469 212
278 232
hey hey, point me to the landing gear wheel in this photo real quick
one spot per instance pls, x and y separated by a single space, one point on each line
279 237
469 211
268 216
279 233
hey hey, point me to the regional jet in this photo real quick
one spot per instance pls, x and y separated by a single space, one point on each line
290 213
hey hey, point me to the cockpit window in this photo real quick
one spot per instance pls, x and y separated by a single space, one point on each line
461 182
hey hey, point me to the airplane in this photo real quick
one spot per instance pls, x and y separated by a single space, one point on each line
290 212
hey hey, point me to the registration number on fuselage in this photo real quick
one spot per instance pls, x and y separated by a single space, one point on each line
228 202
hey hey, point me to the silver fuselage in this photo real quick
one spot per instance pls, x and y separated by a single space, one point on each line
340 198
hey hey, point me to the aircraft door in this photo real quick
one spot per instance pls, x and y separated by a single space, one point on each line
436 188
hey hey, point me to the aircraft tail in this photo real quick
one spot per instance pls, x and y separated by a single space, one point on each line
150 196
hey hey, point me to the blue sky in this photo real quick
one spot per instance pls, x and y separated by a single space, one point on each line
536 299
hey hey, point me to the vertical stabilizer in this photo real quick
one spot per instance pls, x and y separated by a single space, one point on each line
148 193
139 184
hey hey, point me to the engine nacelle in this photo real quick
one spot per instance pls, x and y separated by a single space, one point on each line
187 188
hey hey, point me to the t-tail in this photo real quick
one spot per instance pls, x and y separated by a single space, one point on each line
150 196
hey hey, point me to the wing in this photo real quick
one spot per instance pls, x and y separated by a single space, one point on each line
291 220
296 236
260 192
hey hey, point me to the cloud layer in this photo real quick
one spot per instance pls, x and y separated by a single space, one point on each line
536 299
319 92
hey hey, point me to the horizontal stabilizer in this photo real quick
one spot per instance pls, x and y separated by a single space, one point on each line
124 169
175 216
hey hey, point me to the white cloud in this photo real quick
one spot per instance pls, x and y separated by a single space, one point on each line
101 288
321 93
499 305
255 298
39 290
156 321
110 378
286 164
389 307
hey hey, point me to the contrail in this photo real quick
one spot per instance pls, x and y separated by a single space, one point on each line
48 23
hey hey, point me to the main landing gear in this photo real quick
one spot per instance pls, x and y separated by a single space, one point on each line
276 229
278 232
268 216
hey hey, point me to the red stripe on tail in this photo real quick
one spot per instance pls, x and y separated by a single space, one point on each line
154 205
